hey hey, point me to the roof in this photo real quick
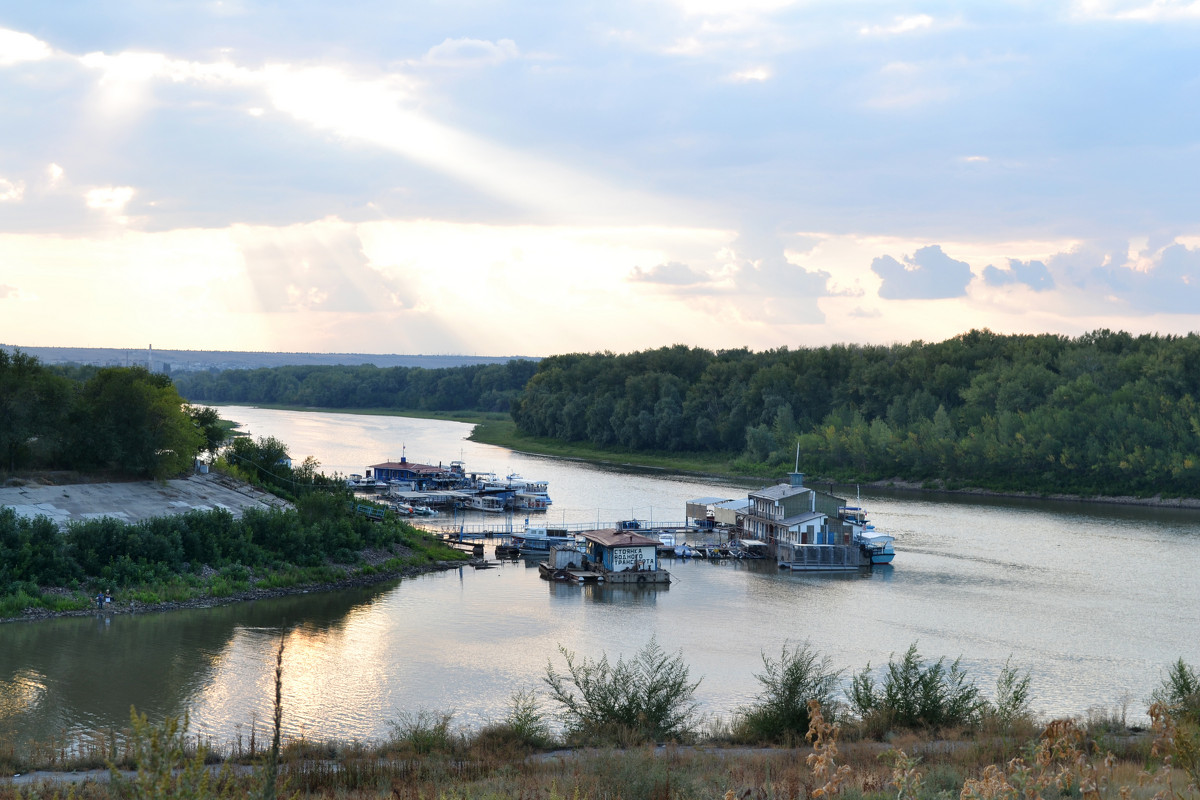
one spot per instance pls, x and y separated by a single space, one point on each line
611 537
799 519
735 505
408 465
707 501
780 491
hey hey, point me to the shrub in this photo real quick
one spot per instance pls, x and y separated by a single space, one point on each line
648 698
916 695
524 726
168 765
789 683
424 732
1179 693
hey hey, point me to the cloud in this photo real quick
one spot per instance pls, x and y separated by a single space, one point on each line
318 267
7 291
1033 274
671 273
900 25
11 192
17 47
471 53
109 198
1138 10
752 75
928 274
1167 282
866 313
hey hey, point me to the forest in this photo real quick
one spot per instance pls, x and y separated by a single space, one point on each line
477 387
1104 413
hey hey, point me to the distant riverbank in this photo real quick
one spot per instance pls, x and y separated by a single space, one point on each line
498 429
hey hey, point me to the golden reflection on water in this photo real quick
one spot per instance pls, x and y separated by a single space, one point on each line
21 695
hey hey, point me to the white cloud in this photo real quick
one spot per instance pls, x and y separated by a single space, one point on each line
109 198
17 47
918 22
1138 10
54 174
11 192
671 273
471 52
753 75
730 8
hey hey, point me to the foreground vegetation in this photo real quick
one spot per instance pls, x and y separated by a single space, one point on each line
1000 755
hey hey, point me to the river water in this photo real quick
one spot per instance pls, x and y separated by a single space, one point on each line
1096 601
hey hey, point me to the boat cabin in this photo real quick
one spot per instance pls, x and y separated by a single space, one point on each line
622 550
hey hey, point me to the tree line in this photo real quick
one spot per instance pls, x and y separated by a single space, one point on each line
476 387
124 419
1103 413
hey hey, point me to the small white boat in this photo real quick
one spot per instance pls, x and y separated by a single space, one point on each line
879 547
542 539
481 502
876 545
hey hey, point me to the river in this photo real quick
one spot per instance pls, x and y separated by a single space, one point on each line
1096 601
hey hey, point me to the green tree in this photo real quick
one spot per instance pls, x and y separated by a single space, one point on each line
208 421
33 407
134 420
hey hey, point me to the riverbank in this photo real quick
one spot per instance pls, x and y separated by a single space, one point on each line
86 511
498 429
503 433
132 605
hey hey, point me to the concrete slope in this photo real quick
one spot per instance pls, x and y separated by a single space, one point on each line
137 500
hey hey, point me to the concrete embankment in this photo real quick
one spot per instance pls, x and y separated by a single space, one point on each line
136 500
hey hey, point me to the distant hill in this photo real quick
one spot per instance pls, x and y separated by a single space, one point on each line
173 361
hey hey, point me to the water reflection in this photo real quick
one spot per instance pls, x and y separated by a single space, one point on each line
63 676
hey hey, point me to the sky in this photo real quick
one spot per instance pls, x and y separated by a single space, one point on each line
503 178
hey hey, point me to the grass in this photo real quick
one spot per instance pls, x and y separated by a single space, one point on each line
500 430
428 759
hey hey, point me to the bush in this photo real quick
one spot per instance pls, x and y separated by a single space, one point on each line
648 698
523 727
781 713
1009 713
424 732
1179 692
916 695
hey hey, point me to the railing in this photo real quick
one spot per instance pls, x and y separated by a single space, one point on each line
510 527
